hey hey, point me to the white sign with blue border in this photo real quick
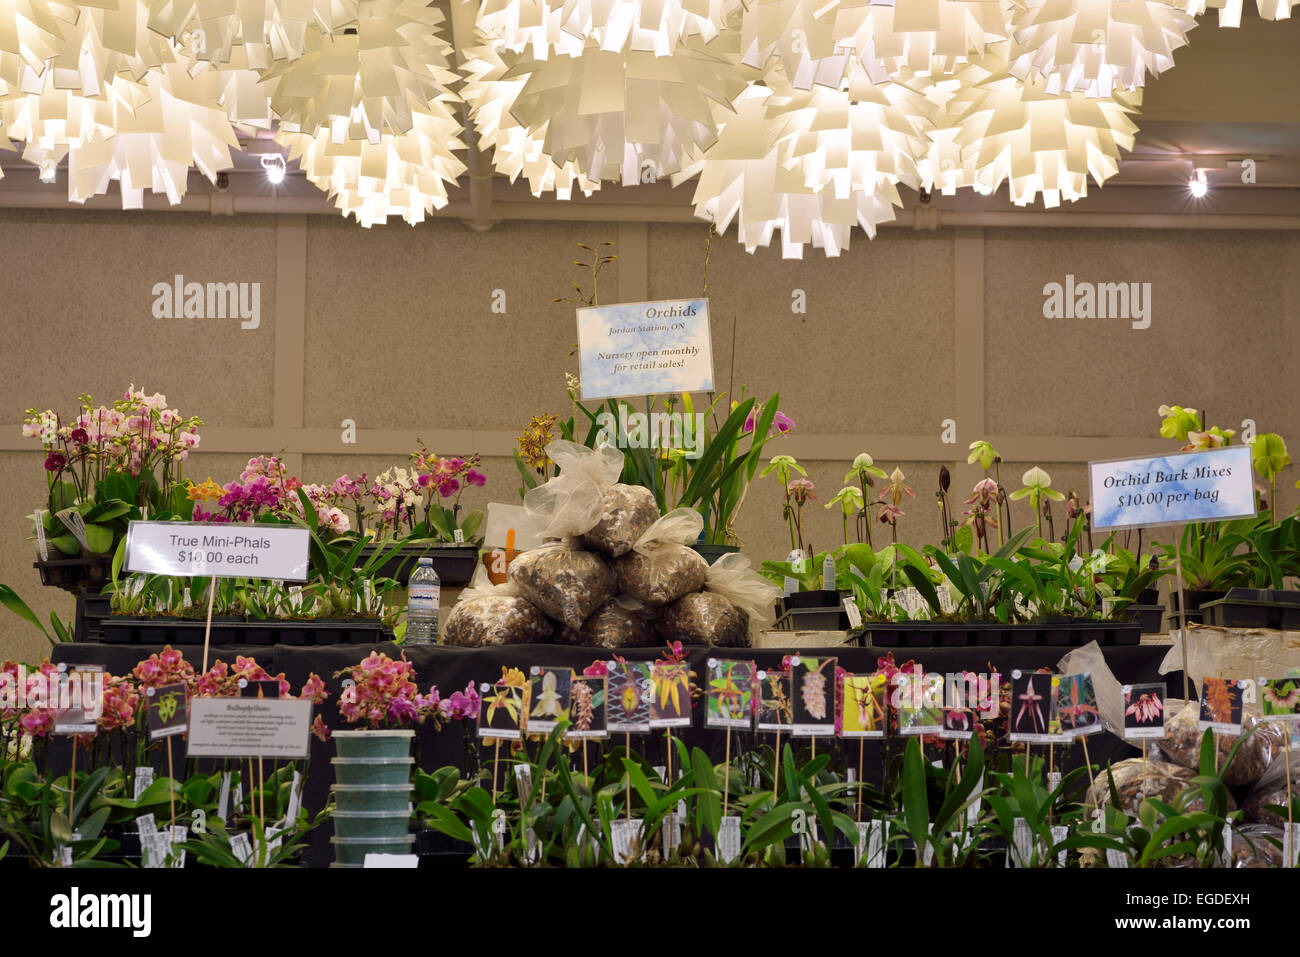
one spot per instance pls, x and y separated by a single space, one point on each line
1212 485
645 348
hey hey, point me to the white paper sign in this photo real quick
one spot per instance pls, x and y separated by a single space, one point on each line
249 728
621 833
645 348
224 551
730 839
391 860
1182 487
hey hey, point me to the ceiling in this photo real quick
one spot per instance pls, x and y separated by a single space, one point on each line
1233 95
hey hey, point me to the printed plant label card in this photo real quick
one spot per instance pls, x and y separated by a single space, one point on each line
1279 698
1144 710
730 701
730 839
628 697
1221 706
863 698
548 698
502 707
670 700
623 834
1031 707
813 683
775 702
1074 705
167 713
958 724
587 715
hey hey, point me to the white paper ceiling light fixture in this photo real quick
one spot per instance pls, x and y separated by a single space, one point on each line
403 175
110 39
630 116
255 34
1230 10
543 27
29 30
143 145
810 165
516 151
800 34
1097 46
370 77
919 35
994 127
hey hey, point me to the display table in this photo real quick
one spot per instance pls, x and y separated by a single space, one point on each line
452 668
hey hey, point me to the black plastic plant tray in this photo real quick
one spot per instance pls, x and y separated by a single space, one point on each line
833 618
1232 613
174 631
453 563
74 574
924 634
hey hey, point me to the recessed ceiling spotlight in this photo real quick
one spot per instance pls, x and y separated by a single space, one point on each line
273 163
1198 186
49 171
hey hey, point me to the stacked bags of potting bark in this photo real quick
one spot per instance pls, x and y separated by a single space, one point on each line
1256 775
612 572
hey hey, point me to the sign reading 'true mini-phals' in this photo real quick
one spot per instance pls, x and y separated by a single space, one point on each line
223 551
1204 486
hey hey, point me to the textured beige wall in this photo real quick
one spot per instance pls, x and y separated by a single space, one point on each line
400 336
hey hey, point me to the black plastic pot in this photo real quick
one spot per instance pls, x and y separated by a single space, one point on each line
91 611
76 574
453 563
1150 617
711 553
829 618
812 599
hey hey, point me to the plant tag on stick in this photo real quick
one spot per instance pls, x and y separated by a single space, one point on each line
1290 844
671 830
622 832
143 779
871 842
729 839
242 847
1059 833
851 609
42 546
223 799
1022 844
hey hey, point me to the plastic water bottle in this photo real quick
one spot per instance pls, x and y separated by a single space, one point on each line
422 604
828 573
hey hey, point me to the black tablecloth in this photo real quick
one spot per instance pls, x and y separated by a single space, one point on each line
451 669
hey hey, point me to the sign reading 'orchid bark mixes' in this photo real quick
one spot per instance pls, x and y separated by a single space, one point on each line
1204 486
645 348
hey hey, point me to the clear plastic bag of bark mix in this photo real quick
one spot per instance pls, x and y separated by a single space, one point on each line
1182 744
621 622
735 605
626 512
566 583
488 614
1270 791
573 502
1253 846
1136 780
662 567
